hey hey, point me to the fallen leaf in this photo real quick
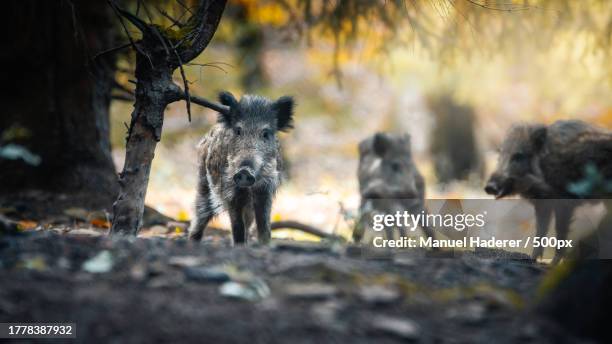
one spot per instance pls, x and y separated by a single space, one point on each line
186 261
255 290
182 216
85 232
400 327
100 263
26 224
101 223
37 263
377 294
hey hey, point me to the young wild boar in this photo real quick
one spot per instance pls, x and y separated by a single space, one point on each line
540 163
240 165
388 181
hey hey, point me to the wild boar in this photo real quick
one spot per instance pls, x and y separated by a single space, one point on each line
541 164
240 165
389 181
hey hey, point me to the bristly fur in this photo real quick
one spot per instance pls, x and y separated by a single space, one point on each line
244 141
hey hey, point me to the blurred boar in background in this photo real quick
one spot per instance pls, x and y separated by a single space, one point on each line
240 164
453 142
553 166
388 181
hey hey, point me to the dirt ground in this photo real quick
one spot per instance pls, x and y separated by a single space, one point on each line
167 289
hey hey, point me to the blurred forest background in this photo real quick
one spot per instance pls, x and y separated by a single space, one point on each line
454 74
490 67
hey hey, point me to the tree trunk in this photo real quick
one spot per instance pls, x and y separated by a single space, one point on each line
55 91
157 56
144 133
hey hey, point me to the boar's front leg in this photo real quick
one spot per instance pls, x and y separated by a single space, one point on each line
543 213
263 206
563 218
236 213
428 231
203 213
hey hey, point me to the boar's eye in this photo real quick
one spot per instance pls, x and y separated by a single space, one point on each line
396 166
266 134
237 131
519 157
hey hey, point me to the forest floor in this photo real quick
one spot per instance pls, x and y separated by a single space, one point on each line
163 288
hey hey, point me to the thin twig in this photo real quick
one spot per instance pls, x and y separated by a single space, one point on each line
214 65
112 50
203 102
146 10
169 17
304 228
185 85
179 19
184 6
161 39
485 6
123 97
120 14
114 7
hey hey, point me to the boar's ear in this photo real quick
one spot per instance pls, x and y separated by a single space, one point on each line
228 100
284 113
538 137
364 146
381 144
407 141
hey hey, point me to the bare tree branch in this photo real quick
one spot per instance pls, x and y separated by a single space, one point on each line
139 23
123 97
204 22
180 95
185 85
184 6
119 12
304 228
111 50
169 17
503 9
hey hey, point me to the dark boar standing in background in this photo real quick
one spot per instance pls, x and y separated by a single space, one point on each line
240 165
453 145
388 181
541 163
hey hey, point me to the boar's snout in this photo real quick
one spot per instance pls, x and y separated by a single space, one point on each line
244 178
491 188
498 186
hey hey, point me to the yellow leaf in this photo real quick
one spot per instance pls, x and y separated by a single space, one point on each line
26 224
276 217
102 223
183 216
